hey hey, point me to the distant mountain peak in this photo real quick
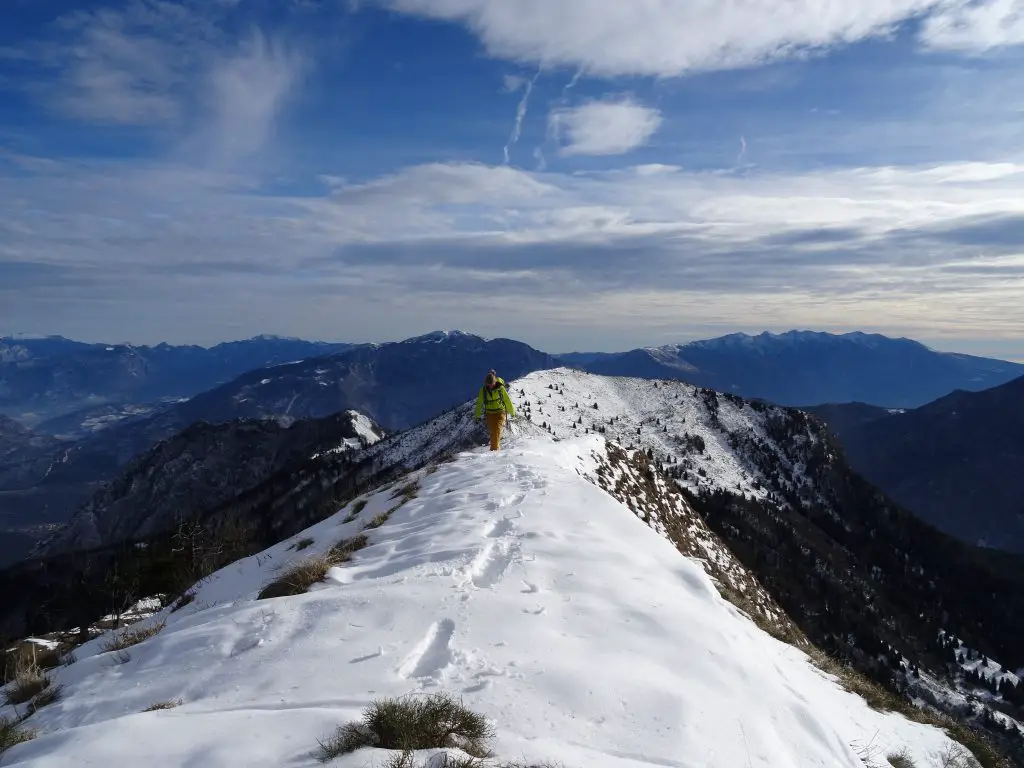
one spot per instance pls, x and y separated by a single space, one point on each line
438 337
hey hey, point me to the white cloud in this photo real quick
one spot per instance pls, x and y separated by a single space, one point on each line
674 37
976 26
604 127
666 37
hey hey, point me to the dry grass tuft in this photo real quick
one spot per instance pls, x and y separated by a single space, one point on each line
342 551
377 522
45 699
408 492
29 683
357 508
298 577
132 636
170 704
13 733
436 721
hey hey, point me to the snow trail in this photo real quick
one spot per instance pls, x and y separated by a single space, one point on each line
511 581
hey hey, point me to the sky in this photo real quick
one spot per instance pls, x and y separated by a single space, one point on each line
578 174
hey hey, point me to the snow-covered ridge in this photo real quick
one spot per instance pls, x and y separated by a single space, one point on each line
367 433
510 580
673 419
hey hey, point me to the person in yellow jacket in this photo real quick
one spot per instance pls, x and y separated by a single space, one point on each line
494 401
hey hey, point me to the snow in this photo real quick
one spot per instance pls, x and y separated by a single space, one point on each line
638 404
367 434
511 581
365 428
438 337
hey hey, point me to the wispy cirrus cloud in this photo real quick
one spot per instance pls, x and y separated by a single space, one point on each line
124 65
247 91
608 127
169 67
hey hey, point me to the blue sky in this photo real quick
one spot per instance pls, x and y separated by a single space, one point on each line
579 174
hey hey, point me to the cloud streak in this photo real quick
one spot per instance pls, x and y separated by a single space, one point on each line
517 127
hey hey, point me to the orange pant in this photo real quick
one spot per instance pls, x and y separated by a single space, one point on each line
495 421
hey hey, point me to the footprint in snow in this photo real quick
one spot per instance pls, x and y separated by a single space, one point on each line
491 562
432 654
498 528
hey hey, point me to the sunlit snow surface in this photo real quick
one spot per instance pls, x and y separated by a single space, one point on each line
511 581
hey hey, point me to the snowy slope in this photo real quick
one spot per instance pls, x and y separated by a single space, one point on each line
366 431
658 415
510 580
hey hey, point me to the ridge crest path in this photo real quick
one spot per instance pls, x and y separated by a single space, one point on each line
509 580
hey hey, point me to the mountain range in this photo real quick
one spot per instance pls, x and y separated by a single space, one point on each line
759 496
45 479
45 379
397 385
956 462
802 368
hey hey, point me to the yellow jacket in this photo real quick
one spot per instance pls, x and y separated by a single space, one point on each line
494 401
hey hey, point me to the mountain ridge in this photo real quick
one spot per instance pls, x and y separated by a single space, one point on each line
818 552
475 584
953 461
397 384
806 368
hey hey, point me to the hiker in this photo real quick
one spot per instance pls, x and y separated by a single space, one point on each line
495 402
